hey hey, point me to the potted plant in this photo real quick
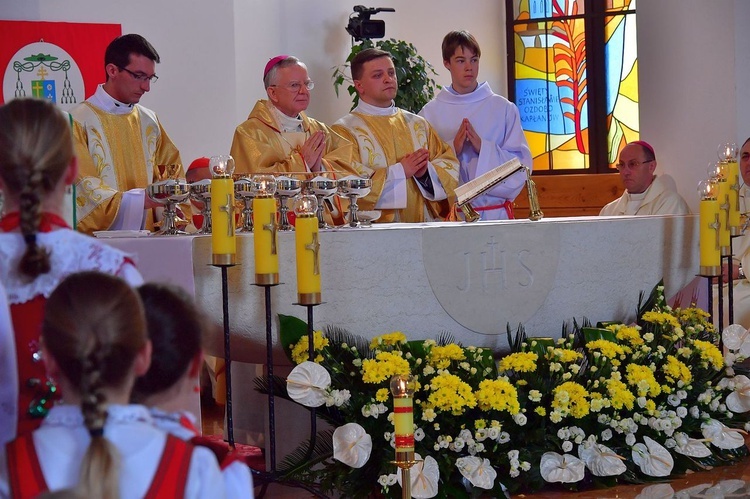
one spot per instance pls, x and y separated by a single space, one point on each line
416 86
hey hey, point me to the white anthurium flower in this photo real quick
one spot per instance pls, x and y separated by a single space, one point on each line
722 436
564 468
737 338
600 459
351 445
657 491
425 475
307 384
652 458
692 447
739 400
478 471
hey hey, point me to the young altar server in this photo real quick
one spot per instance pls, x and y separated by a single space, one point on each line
37 248
483 128
96 444
175 328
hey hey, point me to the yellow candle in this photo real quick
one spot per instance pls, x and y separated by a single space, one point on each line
735 224
265 241
710 255
223 239
308 259
402 388
724 234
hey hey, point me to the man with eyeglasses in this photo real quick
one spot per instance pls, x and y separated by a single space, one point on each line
279 137
120 144
645 193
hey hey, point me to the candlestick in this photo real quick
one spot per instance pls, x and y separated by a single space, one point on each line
307 250
265 237
710 247
223 238
721 174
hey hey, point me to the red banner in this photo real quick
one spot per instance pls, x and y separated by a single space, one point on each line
63 62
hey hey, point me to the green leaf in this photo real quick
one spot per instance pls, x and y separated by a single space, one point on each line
291 329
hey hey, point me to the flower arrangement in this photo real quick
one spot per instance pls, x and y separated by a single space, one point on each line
599 406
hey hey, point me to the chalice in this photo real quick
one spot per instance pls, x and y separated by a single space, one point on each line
243 189
201 191
286 188
354 188
323 188
170 193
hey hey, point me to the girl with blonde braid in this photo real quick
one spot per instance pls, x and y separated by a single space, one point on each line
96 444
37 248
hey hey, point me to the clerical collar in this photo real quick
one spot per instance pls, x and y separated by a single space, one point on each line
287 123
449 95
365 108
109 104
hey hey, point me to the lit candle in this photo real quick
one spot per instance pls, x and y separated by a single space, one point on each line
402 388
265 237
710 254
223 238
728 154
307 250
721 176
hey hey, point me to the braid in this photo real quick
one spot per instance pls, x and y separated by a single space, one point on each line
99 468
35 261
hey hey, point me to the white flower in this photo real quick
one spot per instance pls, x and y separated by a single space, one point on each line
600 459
478 471
607 435
504 437
690 446
721 436
567 446
630 439
737 338
652 458
418 434
392 479
566 468
682 412
739 399
424 477
351 445
383 480
307 384
519 418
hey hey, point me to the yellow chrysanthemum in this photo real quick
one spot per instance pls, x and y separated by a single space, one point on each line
499 395
675 370
571 398
619 395
661 318
383 366
627 334
566 355
389 339
441 357
521 362
449 393
299 350
382 395
642 378
608 348
709 353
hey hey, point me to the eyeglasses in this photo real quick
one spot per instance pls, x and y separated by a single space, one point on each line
140 76
296 86
631 165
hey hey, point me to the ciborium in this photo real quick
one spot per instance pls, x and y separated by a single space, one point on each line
286 188
244 190
170 193
200 191
354 188
322 188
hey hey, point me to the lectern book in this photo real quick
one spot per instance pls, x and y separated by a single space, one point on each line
477 186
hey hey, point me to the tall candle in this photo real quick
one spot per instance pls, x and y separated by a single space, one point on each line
307 250
709 219
724 195
735 222
402 388
223 238
265 241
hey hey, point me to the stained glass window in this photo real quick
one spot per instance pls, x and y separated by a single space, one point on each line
574 77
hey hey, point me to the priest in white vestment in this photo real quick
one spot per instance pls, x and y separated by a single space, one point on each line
645 193
483 128
121 145
414 173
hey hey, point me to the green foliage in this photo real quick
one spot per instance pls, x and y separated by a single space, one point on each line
416 87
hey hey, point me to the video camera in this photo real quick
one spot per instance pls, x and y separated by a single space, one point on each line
361 26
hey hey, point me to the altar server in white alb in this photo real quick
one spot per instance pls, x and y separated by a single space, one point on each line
645 193
483 128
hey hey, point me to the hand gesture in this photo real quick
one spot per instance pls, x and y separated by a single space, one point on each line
466 133
312 151
415 163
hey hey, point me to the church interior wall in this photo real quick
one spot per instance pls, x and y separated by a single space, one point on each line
691 54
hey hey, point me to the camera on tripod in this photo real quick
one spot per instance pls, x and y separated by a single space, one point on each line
361 26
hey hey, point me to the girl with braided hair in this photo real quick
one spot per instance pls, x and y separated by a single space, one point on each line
37 248
96 444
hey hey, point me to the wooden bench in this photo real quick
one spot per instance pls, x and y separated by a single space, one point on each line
571 195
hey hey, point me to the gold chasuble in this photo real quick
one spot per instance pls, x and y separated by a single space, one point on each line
259 146
383 141
117 153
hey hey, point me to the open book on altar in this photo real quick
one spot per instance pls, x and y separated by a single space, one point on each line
473 188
